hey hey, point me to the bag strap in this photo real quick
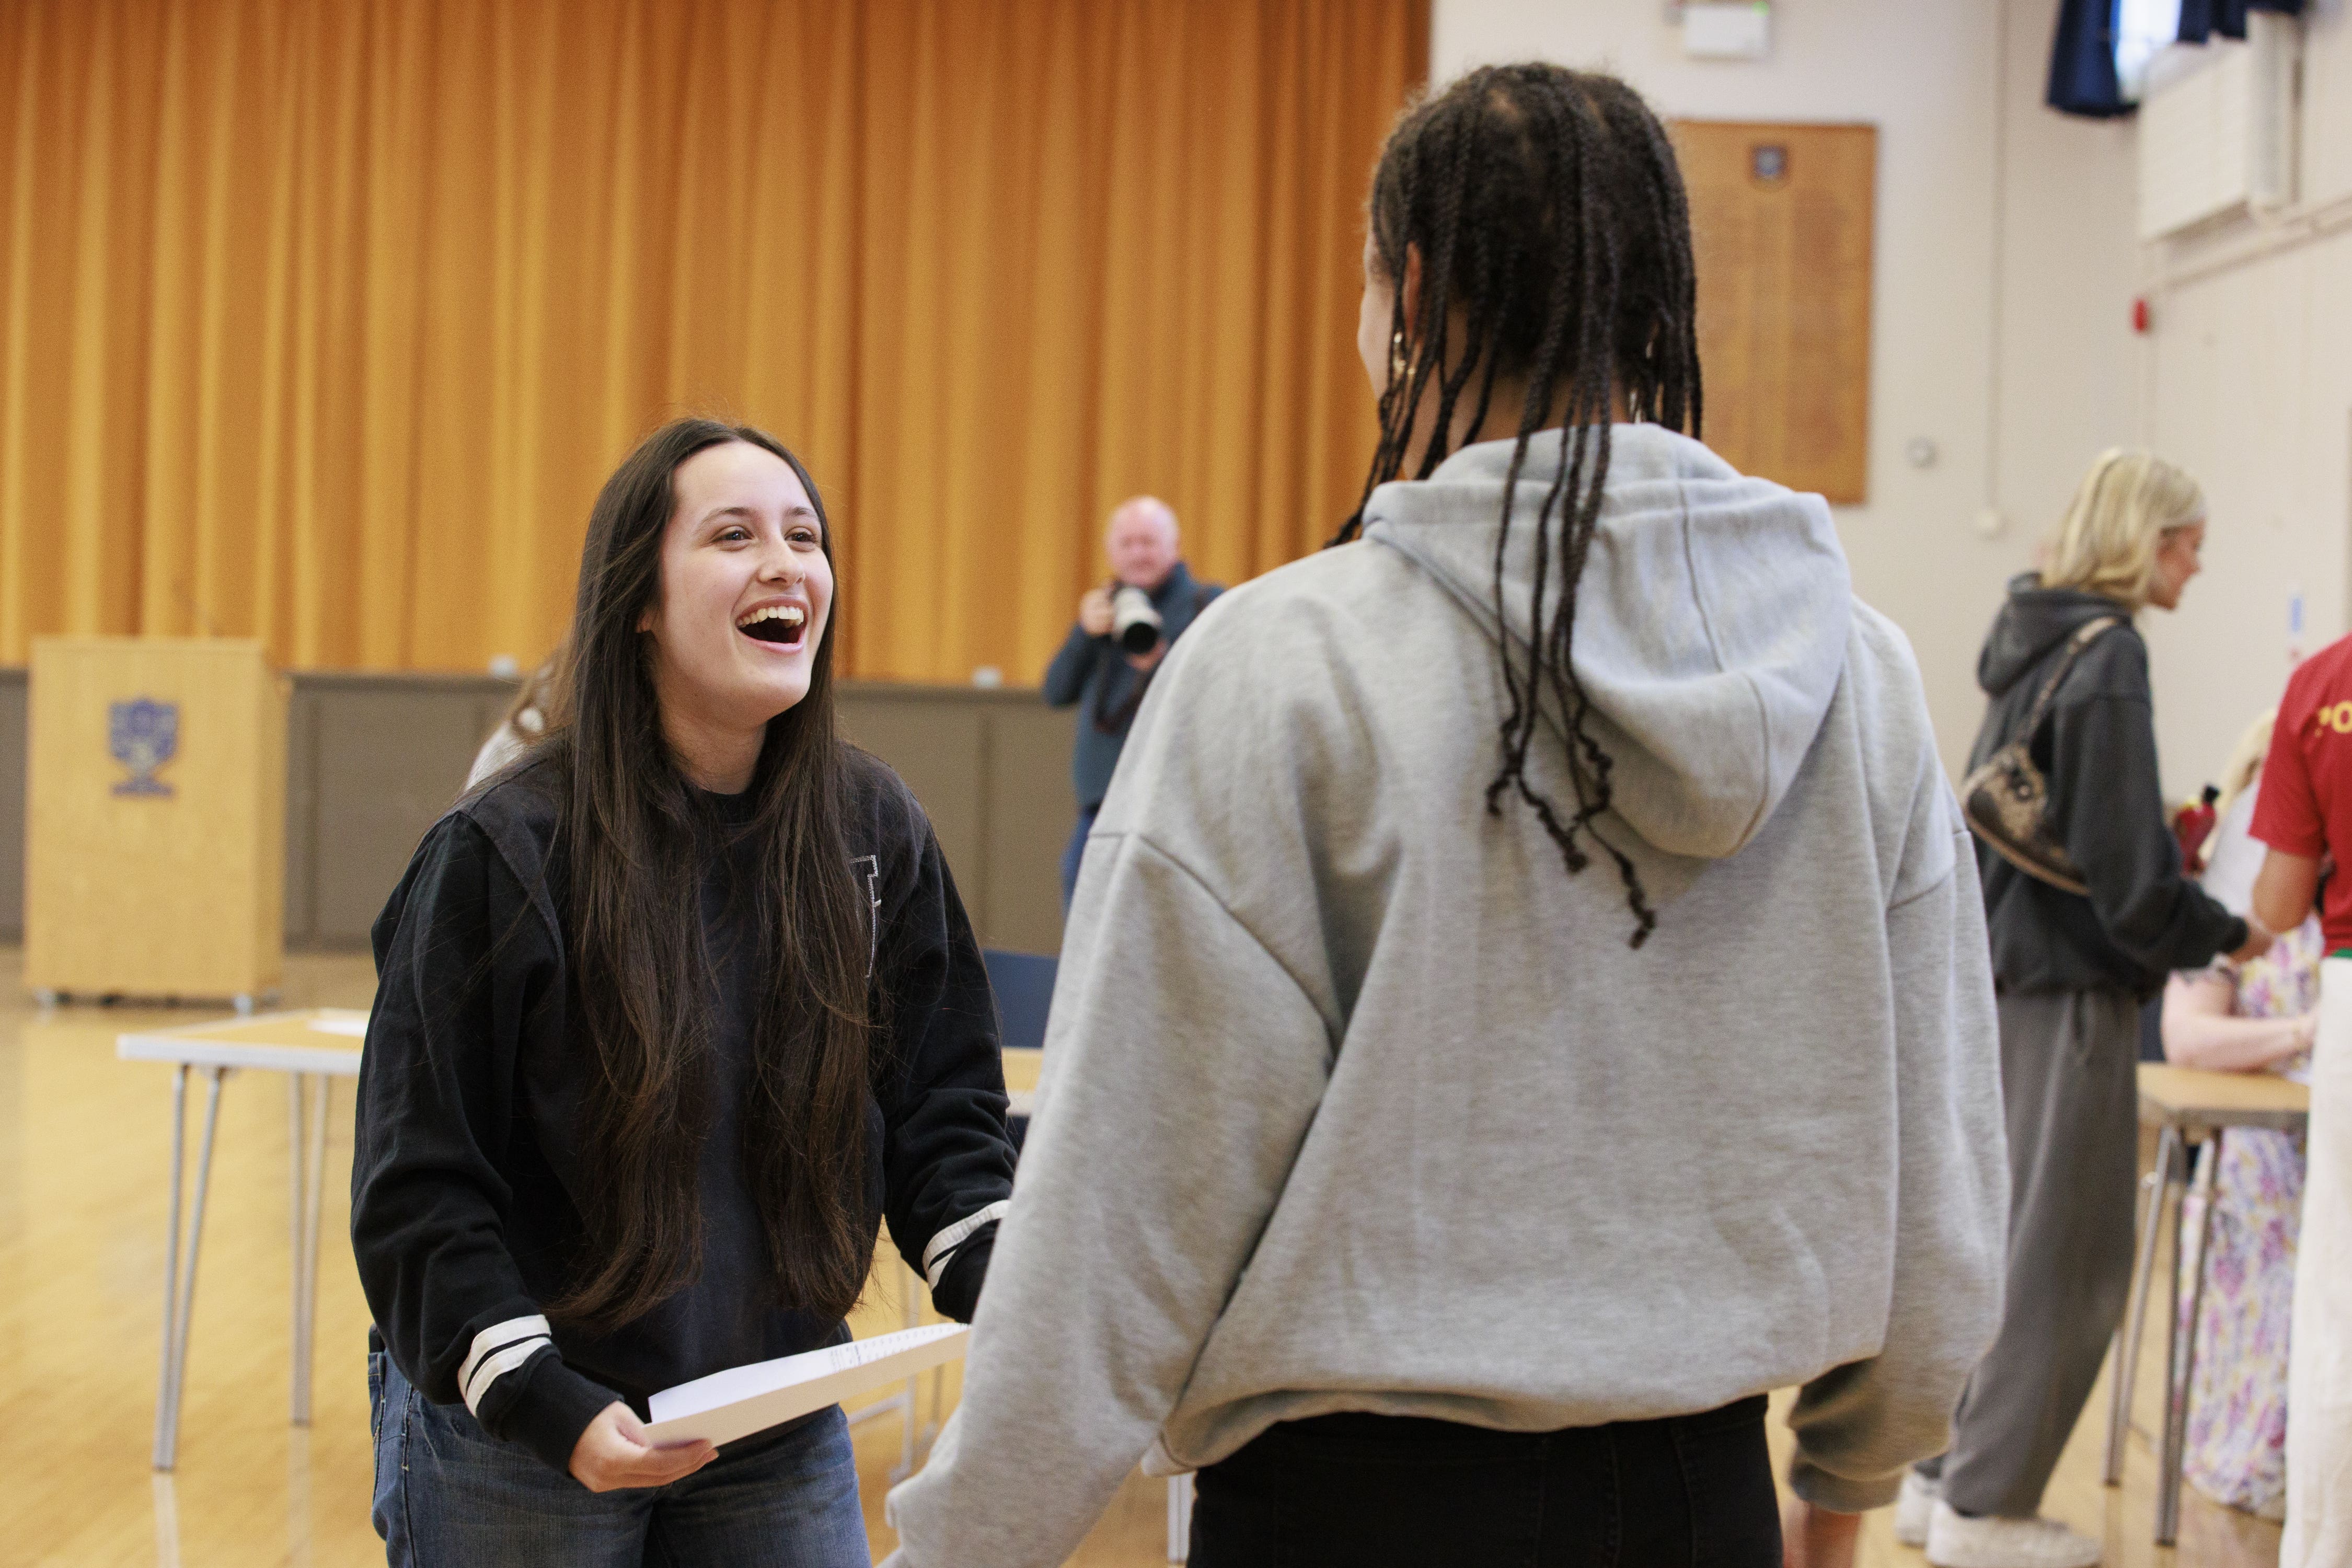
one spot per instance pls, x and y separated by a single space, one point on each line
2087 634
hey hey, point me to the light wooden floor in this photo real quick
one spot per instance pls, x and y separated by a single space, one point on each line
83 1172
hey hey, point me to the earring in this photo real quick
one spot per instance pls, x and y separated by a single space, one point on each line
1397 356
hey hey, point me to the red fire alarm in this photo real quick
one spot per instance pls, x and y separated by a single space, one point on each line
2139 314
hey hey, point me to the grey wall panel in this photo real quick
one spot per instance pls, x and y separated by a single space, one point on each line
991 770
12 720
936 745
390 758
301 817
1030 809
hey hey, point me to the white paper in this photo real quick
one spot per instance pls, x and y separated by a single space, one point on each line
355 1028
742 1400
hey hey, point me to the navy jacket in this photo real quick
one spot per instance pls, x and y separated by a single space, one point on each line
1093 673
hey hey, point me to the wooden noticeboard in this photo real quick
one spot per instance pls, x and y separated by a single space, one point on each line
1781 219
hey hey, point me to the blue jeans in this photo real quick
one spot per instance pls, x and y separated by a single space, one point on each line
1075 853
447 1493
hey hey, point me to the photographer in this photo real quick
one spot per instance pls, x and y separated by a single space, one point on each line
1125 628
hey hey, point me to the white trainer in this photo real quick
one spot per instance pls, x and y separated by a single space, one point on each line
1955 1540
1914 1506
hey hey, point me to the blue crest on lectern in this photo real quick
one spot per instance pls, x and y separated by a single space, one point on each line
142 734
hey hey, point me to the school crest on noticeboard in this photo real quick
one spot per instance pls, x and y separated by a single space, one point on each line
142 734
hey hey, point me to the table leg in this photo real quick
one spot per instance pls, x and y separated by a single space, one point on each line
306 1282
911 1285
1180 1518
163 1453
167 1521
902 1402
2171 1327
167 1423
294 1231
2176 1425
2119 1400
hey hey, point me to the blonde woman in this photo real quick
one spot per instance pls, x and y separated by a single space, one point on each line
2072 969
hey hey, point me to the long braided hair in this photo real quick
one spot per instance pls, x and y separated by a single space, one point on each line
1549 220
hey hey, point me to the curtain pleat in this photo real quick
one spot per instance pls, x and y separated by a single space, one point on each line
322 320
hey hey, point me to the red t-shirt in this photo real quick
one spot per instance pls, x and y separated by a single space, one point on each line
2306 803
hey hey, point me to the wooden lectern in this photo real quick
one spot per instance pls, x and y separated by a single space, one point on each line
155 819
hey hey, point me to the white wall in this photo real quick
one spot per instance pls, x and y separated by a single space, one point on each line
2247 382
2004 269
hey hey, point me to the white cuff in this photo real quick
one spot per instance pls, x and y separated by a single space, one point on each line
498 1349
943 1245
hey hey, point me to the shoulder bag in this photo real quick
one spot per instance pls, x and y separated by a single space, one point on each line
2007 801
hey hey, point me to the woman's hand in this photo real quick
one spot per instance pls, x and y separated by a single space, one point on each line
2257 942
2306 1035
612 1454
1812 1537
1817 1538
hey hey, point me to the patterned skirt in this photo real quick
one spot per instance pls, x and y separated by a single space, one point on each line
2237 1408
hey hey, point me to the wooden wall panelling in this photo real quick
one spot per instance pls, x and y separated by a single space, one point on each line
991 770
12 804
1782 219
390 757
1031 807
371 760
935 742
301 816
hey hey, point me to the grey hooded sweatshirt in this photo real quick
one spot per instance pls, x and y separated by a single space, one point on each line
1355 1100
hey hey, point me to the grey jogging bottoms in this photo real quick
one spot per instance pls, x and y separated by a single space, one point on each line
2069 1065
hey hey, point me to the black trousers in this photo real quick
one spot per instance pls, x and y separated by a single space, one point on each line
1381 1491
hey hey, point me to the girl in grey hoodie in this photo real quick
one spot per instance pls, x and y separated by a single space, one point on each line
1527 994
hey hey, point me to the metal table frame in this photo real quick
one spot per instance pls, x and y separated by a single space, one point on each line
307 1068
914 1439
2181 1126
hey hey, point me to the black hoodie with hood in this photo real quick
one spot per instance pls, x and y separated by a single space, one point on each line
2144 916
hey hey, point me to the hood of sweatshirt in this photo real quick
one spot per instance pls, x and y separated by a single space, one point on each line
2031 622
1711 622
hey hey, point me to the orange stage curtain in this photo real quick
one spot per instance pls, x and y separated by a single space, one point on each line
322 320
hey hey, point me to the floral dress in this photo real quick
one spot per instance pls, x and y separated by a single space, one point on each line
2236 1450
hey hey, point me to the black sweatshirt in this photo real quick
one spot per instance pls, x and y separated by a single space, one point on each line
2144 916
470 1149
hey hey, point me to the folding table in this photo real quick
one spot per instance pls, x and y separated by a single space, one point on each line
310 1047
2188 1106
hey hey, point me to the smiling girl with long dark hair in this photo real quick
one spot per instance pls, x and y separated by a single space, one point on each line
670 1013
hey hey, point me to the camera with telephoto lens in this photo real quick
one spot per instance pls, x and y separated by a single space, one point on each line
1134 624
